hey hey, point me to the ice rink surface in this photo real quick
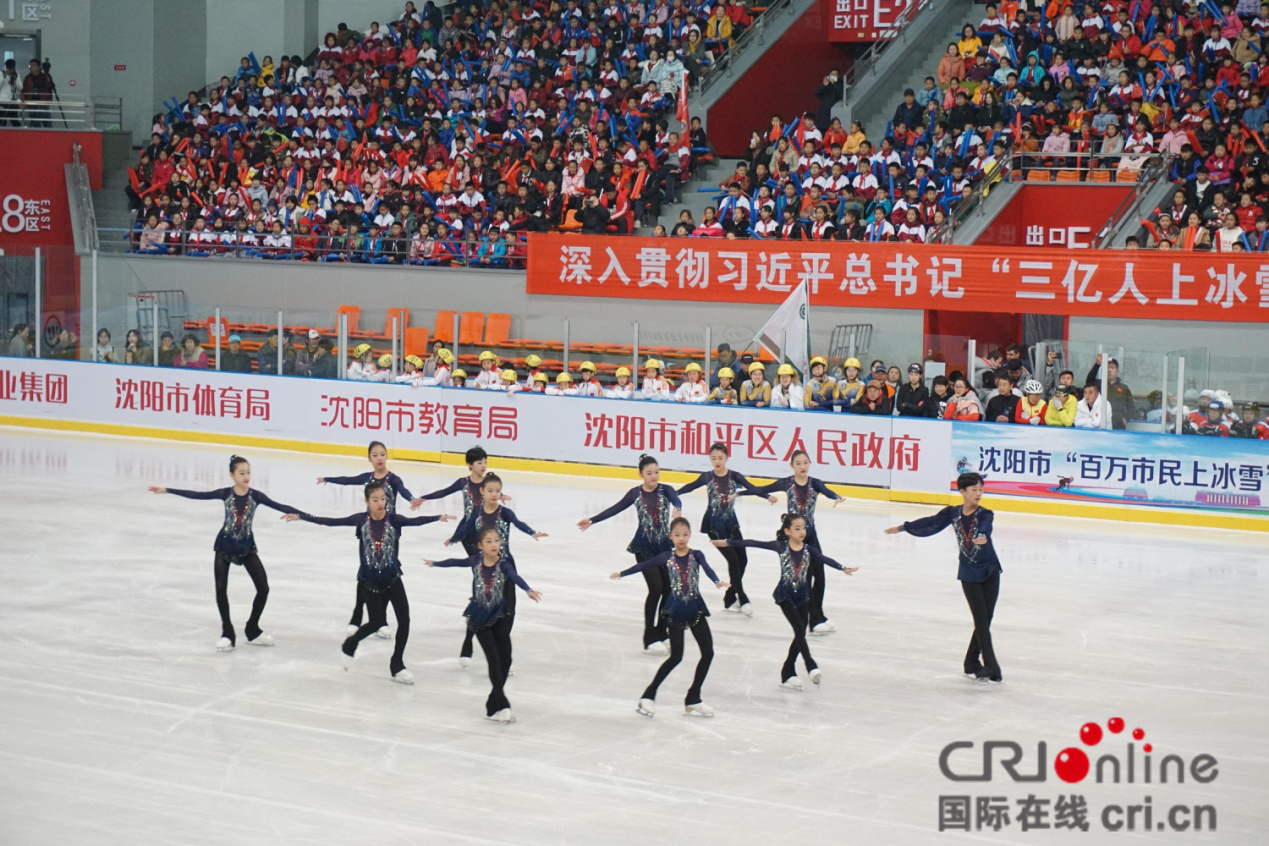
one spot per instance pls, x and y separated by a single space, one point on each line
121 724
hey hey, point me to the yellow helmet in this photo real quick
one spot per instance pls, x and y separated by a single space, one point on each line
508 375
786 370
652 364
819 359
757 365
361 349
587 365
692 368
445 356
488 355
459 374
533 360
726 373
562 378
853 362
623 371
415 360
540 377
385 360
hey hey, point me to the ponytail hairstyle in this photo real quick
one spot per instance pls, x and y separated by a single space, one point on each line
375 485
489 479
234 461
645 460
677 521
786 523
720 447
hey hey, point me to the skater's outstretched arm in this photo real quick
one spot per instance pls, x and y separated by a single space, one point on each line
511 518
699 482
448 562
219 493
927 526
464 527
750 488
613 510
399 520
359 479
509 567
350 520
399 486
446 491
822 489
262 499
829 562
771 546
672 497
655 561
775 487
709 571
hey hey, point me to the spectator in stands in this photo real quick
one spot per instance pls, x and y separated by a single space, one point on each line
951 66
267 357
1250 425
234 359
191 355
305 357
940 396
322 364
1213 424
136 350
830 93
104 350
874 401
65 347
167 350
1092 412
37 89
20 343
964 404
913 398
1118 394
1061 407
1003 402
10 94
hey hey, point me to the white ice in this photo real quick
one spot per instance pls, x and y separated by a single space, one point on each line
121 724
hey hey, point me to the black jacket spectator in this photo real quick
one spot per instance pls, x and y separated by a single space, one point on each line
1001 405
830 94
913 402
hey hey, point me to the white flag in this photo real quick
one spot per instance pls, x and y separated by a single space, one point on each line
787 335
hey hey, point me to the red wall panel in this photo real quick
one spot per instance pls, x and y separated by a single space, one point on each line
782 81
1054 216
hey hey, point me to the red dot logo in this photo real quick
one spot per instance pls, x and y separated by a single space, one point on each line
1137 734
1115 724
1148 748
1071 765
1091 734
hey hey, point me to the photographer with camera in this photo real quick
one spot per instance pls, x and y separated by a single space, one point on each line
38 88
10 90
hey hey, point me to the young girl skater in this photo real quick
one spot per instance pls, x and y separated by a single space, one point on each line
802 492
487 615
379 582
684 609
236 544
722 487
392 488
655 506
490 513
477 467
979 569
792 592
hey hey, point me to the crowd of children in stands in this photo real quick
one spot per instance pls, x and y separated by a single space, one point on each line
438 138
1009 391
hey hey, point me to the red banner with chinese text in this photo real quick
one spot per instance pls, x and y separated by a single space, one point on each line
1092 283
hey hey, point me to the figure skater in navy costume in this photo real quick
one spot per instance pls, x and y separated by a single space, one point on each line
655 506
978 570
236 544
493 577
684 608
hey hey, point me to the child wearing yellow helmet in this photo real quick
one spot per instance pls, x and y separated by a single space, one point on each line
362 368
488 377
533 362
411 370
693 388
821 389
537 384
756 391
563 386
509 383
588 385
442 377
458 378
724 394
624 389
850 388
786 392
655 386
